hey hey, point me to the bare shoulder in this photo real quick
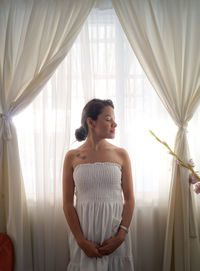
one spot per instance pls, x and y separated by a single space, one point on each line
69 154
114 147
119 151
69 157
123 156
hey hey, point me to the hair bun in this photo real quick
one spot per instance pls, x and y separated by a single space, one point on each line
80 134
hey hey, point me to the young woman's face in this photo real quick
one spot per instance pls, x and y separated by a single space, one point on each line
105 124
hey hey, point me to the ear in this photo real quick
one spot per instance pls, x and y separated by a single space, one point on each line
90 123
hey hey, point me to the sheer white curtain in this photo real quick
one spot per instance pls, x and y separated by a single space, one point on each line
35 37
100 64
164 36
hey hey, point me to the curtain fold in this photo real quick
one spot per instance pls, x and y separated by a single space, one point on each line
35 37
164 36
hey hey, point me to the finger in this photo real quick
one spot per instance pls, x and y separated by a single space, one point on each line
103 244
98 254
101 250
96 247
104 248
104 252
106 242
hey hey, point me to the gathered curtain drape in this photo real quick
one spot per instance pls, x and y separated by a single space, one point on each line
35 37
165 38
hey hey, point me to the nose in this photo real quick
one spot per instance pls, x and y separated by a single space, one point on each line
114 124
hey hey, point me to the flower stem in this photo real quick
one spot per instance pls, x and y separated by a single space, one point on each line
175 155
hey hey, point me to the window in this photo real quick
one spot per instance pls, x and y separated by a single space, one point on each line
100 64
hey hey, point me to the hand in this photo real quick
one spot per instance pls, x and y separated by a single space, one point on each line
90 249
111 244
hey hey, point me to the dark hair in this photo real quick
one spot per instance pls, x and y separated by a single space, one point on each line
92 109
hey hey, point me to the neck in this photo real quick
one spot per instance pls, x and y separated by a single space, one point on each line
94 143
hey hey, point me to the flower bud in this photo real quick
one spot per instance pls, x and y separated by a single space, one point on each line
191 163
193 178
197 188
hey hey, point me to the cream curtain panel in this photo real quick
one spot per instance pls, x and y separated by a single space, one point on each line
165 37
35 37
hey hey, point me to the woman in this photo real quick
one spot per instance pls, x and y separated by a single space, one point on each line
99 175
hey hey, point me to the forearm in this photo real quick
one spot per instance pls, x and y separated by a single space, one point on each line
113 243
74 223
127 214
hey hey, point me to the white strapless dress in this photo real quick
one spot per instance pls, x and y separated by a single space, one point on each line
99 205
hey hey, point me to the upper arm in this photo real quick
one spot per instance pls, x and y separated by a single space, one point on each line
127 181
68 182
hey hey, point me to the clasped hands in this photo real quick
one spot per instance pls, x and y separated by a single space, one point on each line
94 250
